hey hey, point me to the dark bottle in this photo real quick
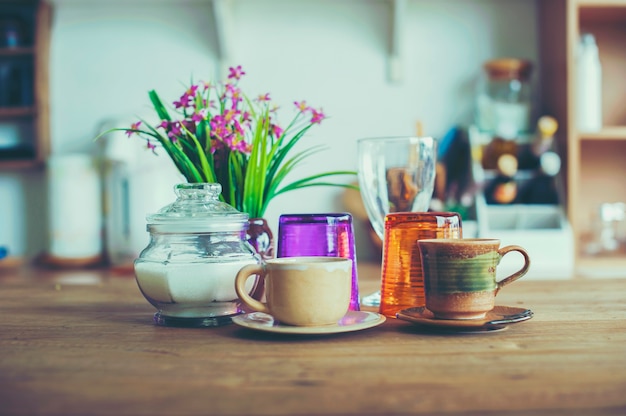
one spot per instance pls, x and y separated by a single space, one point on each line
542 188
503 143
547 127
530 154
503 188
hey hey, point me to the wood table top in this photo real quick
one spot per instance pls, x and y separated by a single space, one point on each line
83 343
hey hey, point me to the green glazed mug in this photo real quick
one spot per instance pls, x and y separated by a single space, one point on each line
460 275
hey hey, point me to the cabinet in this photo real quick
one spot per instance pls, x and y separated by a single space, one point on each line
595 162
24 116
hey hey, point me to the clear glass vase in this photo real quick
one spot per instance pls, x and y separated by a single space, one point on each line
197 246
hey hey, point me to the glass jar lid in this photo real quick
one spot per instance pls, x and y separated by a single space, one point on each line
508 69
197 209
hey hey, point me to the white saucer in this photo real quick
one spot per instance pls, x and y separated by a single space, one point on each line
352 321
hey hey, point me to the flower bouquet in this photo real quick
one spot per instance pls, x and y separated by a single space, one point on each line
214 133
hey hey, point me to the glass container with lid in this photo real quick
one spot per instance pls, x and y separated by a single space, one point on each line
197 246
503 99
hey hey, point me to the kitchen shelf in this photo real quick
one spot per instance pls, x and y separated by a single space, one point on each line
16 112
20 51
602 10
16 164
594 161
608 24
24 114
607 133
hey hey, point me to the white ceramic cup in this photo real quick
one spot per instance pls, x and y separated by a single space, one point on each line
302 291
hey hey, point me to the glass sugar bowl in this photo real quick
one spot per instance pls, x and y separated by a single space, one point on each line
197 246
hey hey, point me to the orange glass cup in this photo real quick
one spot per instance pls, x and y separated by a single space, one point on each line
402 279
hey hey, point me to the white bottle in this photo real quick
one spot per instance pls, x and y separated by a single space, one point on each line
589 85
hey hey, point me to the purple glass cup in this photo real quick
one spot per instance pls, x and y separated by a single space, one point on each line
319 235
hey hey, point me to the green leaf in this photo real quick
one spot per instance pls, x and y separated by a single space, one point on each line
181 160
158 106
308 181
207 170
249 181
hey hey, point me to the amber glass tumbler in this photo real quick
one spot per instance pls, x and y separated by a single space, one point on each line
402 279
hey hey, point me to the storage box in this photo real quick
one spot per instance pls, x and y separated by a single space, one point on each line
543 230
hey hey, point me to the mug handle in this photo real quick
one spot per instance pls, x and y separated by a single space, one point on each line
521 272
240 286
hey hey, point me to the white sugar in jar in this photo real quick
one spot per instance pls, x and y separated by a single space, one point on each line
197 246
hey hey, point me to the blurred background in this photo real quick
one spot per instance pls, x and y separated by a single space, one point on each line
105 57
376 67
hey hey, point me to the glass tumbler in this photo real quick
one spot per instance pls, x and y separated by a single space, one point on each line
402 280
329 234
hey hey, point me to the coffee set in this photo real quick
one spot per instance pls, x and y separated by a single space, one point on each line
310 295
199 269
431 276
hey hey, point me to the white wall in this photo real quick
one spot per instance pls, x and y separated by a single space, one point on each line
334 54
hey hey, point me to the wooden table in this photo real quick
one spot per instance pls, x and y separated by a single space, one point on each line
83 343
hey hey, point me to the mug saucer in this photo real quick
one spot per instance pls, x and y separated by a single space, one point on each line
498 318
352 321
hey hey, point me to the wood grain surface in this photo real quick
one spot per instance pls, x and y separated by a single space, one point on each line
83 343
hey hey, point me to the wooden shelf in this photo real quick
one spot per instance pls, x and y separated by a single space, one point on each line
29 117
13 112
607 133
16 164
17 51
607 11
594 160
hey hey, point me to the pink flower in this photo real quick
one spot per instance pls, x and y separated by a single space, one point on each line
237 128
218 121
174 130
277 131
243 147
218 127
216 145
199 115
301 105
231 91
187 99
317 116
230 115
235 73
133 128
236 144
151 146
189 125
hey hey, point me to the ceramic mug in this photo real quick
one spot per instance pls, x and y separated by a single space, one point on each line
460 275
302 291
